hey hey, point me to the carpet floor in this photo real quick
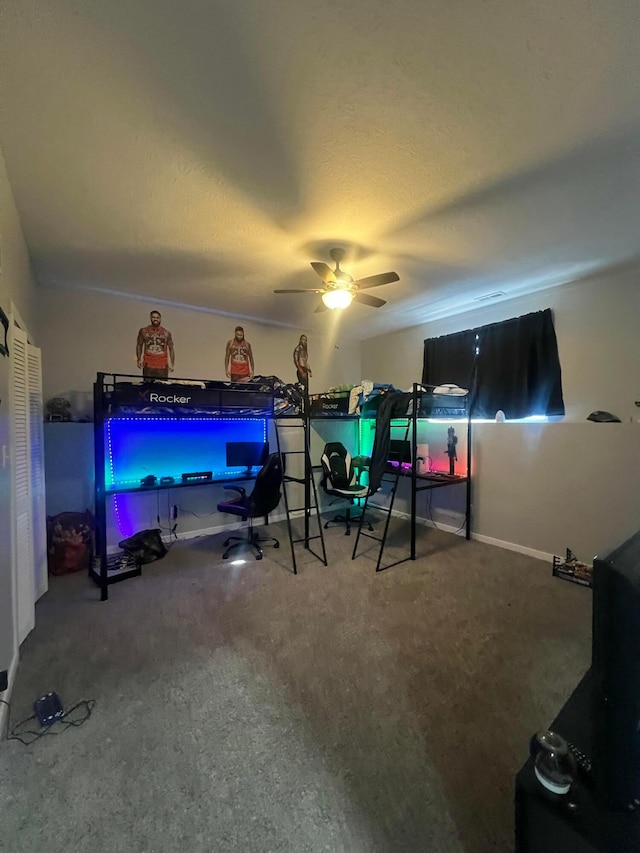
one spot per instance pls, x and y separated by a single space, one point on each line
242 708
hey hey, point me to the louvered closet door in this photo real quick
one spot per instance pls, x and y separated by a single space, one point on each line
37 486
23 534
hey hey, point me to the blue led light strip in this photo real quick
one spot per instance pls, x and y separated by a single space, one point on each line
126 462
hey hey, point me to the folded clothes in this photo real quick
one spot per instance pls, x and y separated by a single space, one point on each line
451 389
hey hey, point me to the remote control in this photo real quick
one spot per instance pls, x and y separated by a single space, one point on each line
582 760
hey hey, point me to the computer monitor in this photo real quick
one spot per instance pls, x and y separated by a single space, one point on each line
246 454
399 451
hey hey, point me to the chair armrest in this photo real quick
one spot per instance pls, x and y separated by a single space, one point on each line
239 489
361 462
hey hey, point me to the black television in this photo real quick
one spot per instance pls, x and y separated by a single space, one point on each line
246 454
615 674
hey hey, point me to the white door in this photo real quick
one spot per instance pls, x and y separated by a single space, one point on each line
37 487
22 528
8 634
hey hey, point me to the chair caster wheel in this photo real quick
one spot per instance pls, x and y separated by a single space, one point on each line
258 556
276 545
225 556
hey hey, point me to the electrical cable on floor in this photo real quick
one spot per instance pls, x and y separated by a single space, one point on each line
170 530
461 528
429 511
17 734
435 523
191 512
172 516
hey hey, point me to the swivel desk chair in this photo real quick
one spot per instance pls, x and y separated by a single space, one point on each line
340 481
264 498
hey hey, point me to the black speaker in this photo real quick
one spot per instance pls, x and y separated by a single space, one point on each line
48 709
616 673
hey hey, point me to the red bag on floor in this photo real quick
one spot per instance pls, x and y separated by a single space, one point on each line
69 542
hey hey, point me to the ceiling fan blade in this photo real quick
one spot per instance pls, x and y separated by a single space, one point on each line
325 272
306 290
377 280
320 308
366 299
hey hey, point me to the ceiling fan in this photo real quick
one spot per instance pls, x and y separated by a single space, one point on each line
340 290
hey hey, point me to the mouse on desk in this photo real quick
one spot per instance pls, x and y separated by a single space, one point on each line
600 417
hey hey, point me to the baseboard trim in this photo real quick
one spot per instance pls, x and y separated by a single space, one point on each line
456 529
224 528
512 546
209 531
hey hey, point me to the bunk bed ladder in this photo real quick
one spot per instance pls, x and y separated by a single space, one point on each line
387 477
310 493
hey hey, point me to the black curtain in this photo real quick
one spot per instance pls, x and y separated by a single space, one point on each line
517 367
450 359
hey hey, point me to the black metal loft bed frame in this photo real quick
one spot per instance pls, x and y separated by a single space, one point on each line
422 402
125 393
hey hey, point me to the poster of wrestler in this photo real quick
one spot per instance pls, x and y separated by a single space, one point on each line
301 361
238 358
154 349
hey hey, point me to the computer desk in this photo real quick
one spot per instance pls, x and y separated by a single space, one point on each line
101 572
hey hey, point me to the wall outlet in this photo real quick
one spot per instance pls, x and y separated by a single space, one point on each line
4 680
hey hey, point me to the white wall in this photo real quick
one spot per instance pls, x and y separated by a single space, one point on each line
90 331
17 287
17 284
596 323
570 484
537 488
84 332
549 487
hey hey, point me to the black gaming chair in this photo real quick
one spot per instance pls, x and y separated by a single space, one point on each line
340 481
264 498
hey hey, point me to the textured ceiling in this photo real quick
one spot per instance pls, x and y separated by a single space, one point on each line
202 153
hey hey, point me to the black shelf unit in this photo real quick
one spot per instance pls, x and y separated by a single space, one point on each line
423 403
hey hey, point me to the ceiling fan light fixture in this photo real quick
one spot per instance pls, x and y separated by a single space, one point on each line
337 298
339 289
